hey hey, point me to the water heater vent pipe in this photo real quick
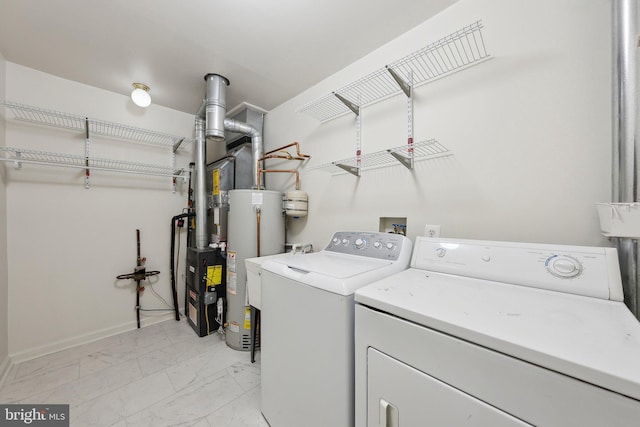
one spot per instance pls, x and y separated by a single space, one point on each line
200 187
210 126
216 106
257 147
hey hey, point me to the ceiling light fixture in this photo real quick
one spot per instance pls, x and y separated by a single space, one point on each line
140 95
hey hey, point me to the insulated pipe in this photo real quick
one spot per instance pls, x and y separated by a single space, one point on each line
174 290
256 144
200 187
624 185
216 106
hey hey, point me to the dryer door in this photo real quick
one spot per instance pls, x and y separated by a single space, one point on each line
399 395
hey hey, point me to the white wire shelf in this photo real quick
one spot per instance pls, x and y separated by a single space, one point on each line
42 116
425 150
20 156
457 51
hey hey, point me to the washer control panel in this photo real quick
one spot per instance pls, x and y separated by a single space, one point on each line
370 244
581 270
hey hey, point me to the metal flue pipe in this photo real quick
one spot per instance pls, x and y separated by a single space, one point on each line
624 100
216 106
257 149
210 126
201 110
200 187
625 110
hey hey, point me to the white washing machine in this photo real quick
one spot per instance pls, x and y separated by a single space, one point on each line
481 333
307 346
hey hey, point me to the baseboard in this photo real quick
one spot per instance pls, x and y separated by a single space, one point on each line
32 353
5 367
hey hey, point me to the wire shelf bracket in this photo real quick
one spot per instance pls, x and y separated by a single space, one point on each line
350 105
353 169
457 51
405 155
406 161
407 88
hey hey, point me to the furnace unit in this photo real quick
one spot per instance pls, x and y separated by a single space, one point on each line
205 290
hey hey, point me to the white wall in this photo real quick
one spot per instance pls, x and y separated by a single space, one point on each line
530 132
67 244
4 281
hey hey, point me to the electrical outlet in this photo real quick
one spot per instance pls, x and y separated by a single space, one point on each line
432 230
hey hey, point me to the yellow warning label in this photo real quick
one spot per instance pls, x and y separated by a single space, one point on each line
216 182
214 275
247 318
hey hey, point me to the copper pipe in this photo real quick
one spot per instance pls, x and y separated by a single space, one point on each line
258 230
297 145
270 155
294 171
287 157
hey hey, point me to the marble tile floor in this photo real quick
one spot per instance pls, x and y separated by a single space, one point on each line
160 375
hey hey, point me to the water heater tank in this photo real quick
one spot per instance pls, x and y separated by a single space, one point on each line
242 235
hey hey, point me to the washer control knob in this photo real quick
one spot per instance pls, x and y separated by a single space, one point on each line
390 246
345 242
360 243
335 241
377 245
440 252
564 266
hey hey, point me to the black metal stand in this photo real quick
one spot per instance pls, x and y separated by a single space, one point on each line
255 334
139 274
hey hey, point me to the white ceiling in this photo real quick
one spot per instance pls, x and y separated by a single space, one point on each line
269 50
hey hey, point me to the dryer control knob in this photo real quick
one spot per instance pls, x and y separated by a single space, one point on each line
345 242
360 243
335 241
390 246
564 266
377 245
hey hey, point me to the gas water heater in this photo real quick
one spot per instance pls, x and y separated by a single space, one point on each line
254 218
255 228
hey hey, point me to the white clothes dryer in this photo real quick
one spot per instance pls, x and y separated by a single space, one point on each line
481 333
307 347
